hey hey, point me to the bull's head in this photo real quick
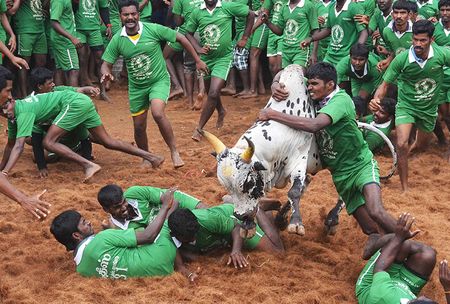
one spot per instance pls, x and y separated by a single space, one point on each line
241 176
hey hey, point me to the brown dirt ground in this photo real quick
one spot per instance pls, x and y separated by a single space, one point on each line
317 269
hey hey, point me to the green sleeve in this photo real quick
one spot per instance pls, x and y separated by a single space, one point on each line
12 130
112 50
25 123
192 23
177 7
337 109
382 289
152 195
446 56
237 9
330 7
357 10
56 10
119 238
395 68
163 33
342 68
313 18
373 20
387 42
281 22
219 224
186 201
103 3
268 4
65 88
3 7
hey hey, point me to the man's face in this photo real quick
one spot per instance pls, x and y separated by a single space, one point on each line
210 2
384 4
129 16
47 87
421 44
318 89
5 93
445 13
381 116
85 228
119 210
400 16
358 62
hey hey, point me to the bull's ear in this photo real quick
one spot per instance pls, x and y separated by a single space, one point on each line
214 154
258 166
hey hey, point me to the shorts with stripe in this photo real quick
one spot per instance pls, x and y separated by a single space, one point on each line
260 37
299 57
350 186
141 97
218 67
32 44
79 111
66 58
240 59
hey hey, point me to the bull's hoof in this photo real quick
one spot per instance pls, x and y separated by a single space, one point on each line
331 230
247 234
296 229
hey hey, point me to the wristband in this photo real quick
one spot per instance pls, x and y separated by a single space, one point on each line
109 25
447 292
5 173
190 275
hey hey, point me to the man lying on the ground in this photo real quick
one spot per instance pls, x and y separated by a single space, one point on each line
397 272
202 230
118 254
66 110
138 206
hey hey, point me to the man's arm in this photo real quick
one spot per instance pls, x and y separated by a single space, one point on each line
363 36
444 278
201 66
17 61
106 72
9 31
181 268
38 152
236 257
248 29
16 151
316 36
374 104
61 31
311 125
7 152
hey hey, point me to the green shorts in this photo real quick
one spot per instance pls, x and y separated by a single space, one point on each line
444 96
299 57
369 87
425 123
31 44
397 272
254 241
92 37
74 137
260 37
66 59
81 111
176 46
218 67
350 186
274 45
140 98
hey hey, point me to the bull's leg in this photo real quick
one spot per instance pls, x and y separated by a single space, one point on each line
332 219
295 193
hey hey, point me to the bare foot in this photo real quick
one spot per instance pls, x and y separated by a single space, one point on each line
220 119
176 93
244 92
176 160
261 91
249 95
228 91
196 135
157 161
198 102
90 171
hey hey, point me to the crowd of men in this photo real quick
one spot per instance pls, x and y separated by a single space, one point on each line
382 62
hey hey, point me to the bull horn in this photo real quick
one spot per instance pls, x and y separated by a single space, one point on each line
248 153
218 146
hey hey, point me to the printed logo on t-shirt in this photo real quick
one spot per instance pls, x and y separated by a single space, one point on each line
399 50
277 7
337 35
212 35
140 67
425 89
326 144
36 8
115 273
88 5
291 29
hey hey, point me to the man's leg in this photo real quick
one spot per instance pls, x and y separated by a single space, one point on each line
254 72
98 52
168 54
375 209
157 107
274 64
403 132
72 78
140 130
23 76
230 88
83 55
422 141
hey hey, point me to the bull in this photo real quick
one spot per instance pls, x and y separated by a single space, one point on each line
268 155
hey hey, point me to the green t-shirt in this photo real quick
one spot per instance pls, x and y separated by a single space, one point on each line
114 15
385 290
29 18
144 58
146 202
38 109
379 22
275 7
61 11
371 74
3 9
215 27
397 42
185 8
442 38
297 24
256 4
342 148
419 87
146 12
375 141
428 9
344 29
115 254
322 11
368 6
87 16
240 23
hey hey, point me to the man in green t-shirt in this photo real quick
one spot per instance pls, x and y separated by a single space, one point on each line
138 205
397 272
5 28
342 148
203 230
149 81
118 254
428 10
419 73
381 18
214 22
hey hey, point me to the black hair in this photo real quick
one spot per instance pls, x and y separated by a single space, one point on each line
38 76
109 195
360 105
402 5
388 105
413 7
125 3
323 71
63 226
359 50
5 75
183 224
423 27
443 3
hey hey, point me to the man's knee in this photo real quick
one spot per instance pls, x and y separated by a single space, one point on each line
214 93
140 127
158 115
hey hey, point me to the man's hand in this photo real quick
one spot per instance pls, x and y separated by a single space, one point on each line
374 105
12 44
444 275
265 114
202 67
203 50
20 62
382 50
238 260
242 42
383 65
108 32
167 198
305 43
279 92
321 20
108 224
106 77
362 19
433 19
90 90
43 173
76 42
403 228
35 206
376 34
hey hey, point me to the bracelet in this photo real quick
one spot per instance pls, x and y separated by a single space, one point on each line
109 25
5 173
191 274
447 292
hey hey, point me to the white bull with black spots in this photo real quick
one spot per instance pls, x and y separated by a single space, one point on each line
268 155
